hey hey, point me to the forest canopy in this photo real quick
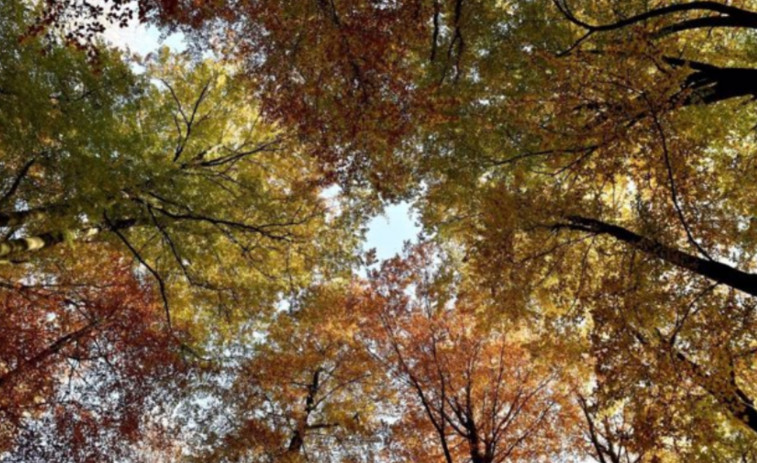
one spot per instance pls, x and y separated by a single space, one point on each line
184 271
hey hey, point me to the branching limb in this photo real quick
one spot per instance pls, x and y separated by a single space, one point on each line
138 256
713 270
728 16
671 181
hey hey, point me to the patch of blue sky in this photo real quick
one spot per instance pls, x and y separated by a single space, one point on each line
389 231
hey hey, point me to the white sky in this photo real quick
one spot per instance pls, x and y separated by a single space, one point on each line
141 39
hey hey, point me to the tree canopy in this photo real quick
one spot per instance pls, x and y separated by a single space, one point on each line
179 283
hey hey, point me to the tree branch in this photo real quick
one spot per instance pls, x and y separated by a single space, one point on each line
730 16
17 181
161 284
713 270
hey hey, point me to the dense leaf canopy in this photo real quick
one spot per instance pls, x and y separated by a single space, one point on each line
179 282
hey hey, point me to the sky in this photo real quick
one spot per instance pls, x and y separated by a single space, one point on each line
386 233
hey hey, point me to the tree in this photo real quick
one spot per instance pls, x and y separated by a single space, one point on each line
122 191
174 165
472 392
355 81
301 387
85 357
687 183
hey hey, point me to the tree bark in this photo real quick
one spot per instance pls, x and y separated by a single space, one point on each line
17 246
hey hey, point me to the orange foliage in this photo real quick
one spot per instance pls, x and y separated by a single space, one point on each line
83 354
471 392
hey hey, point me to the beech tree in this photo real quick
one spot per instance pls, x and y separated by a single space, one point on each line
472 392
174 165
164 184
579 176
303 388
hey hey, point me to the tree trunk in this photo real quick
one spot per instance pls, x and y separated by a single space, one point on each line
711 84
298 437
15 247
